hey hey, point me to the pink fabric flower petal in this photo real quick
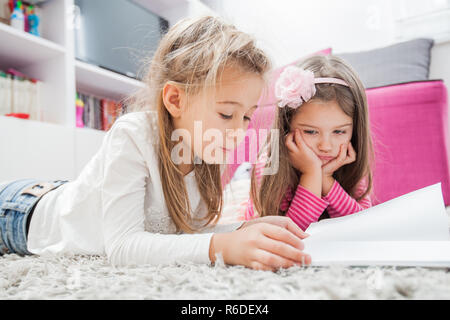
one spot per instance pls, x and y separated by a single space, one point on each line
294 86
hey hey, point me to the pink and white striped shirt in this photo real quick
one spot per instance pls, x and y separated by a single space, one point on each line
304 207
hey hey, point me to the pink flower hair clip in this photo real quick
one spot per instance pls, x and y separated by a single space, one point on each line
295 86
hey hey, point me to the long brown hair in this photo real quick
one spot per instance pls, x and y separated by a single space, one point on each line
353 102
193 53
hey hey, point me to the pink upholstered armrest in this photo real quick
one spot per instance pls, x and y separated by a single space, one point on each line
409 125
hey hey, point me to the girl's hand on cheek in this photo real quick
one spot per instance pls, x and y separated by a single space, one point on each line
347 154
301 156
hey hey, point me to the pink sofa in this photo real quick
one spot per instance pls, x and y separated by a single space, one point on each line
409 124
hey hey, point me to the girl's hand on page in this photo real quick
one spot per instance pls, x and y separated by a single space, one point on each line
261 246
347 154
301 156
281 221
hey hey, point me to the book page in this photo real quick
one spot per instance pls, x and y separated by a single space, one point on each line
411 230
416 216
386 253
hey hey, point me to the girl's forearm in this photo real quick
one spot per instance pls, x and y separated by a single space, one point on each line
327 183
216 246
341 203
312 182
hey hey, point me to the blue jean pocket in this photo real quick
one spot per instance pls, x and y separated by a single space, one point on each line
17 199
14 210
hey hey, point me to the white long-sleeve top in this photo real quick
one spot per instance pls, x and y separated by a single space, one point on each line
116 205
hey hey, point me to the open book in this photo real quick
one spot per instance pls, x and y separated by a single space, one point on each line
411 230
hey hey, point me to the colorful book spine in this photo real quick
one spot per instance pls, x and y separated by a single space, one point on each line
109 113
79 105
98 113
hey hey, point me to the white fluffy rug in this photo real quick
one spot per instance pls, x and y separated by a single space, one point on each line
81 277
91 277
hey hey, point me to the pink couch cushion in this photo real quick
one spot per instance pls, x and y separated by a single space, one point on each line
409 126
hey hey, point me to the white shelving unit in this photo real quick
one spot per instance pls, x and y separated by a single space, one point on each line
56 148
45 58
50 58
103 83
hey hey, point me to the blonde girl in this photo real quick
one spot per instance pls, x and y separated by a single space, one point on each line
324 146
135 201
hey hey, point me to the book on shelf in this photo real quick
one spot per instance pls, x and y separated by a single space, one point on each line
110 111
20 94
411 230
5 11
98 113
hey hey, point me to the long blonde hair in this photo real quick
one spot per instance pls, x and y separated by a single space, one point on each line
353 102
193 52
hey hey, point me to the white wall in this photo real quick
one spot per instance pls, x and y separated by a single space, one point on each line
289 29
174 10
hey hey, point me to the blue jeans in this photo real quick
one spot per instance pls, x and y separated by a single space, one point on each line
17 200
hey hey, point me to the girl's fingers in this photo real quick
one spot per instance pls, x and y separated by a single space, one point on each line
343 154
295 229
281 234
290 144
273 261
286 137
285 222
299 139
302 145
282 249
256 265
351 152
347 154
334 164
